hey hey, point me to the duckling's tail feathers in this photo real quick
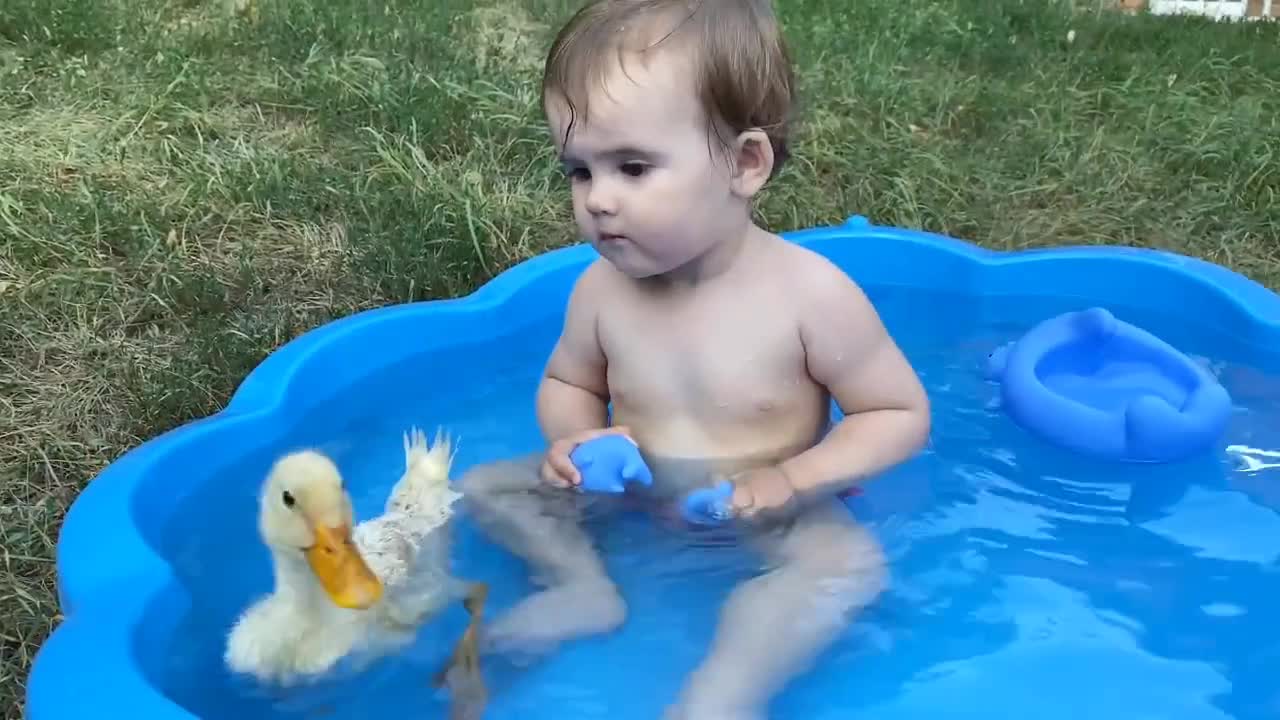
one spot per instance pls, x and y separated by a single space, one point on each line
424 487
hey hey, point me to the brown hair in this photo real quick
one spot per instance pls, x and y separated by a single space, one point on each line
741 66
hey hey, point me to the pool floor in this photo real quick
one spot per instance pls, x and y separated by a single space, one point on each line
1024 579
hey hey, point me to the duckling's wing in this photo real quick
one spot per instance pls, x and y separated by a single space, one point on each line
386 548
413 563
424 490
399 546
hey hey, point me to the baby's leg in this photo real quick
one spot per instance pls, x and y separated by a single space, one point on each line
824 568
541 524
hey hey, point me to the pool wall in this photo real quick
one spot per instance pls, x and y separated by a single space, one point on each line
122 601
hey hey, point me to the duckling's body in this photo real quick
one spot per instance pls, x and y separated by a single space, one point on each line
341 592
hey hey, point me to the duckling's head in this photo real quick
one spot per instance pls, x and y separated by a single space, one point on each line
306 513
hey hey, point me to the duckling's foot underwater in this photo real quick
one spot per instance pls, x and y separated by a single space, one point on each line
462 672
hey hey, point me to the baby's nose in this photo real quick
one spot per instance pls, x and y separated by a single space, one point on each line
601 199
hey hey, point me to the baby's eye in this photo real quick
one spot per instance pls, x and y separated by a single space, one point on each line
634 169
579 174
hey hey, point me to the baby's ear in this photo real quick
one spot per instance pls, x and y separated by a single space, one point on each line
753 162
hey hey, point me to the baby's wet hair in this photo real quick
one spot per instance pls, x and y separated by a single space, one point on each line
737 56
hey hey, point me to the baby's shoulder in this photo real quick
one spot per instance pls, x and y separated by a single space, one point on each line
829 306
809 276
597 282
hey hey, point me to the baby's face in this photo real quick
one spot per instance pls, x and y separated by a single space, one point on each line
651 188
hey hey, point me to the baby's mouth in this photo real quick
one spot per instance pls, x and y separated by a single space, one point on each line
611 237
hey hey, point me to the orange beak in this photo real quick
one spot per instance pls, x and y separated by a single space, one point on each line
341 570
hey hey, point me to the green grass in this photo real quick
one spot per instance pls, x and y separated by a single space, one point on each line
182 189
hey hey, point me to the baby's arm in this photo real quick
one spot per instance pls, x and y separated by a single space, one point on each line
849 351
573 395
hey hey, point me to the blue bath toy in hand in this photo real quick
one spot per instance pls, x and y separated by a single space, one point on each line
708 506
607 463
1103 387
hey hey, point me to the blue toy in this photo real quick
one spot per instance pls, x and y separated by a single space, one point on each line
607 463
1103 387
708 506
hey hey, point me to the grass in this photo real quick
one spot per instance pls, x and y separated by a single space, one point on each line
183 188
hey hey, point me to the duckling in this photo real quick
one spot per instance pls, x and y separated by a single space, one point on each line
341 592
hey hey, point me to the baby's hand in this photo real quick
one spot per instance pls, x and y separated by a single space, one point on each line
762 494
558 469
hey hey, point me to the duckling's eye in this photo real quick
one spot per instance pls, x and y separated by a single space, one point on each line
288 499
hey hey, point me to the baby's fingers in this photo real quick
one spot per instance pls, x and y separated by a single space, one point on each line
743 501
561 470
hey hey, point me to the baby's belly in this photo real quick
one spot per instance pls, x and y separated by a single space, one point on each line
675 477
722 444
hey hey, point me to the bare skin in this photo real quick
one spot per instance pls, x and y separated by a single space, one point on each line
720 346
744 366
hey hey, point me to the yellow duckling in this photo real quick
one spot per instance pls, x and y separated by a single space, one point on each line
340 591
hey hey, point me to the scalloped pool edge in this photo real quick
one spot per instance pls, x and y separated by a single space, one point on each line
87 663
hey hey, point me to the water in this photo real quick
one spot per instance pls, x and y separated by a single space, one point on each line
1024 579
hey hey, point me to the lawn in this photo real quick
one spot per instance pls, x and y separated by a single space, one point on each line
184 188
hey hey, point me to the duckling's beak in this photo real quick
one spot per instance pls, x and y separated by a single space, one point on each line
342 572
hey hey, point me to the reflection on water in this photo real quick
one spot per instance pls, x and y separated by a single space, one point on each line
1023 578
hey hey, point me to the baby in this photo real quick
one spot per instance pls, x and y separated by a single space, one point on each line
719 344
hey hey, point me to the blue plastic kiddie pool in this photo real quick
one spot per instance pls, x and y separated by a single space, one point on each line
1031 571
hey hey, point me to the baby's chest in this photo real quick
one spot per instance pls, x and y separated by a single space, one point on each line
741 366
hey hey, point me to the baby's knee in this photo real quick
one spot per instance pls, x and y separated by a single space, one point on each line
601 599
847 564
479 481
499 478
